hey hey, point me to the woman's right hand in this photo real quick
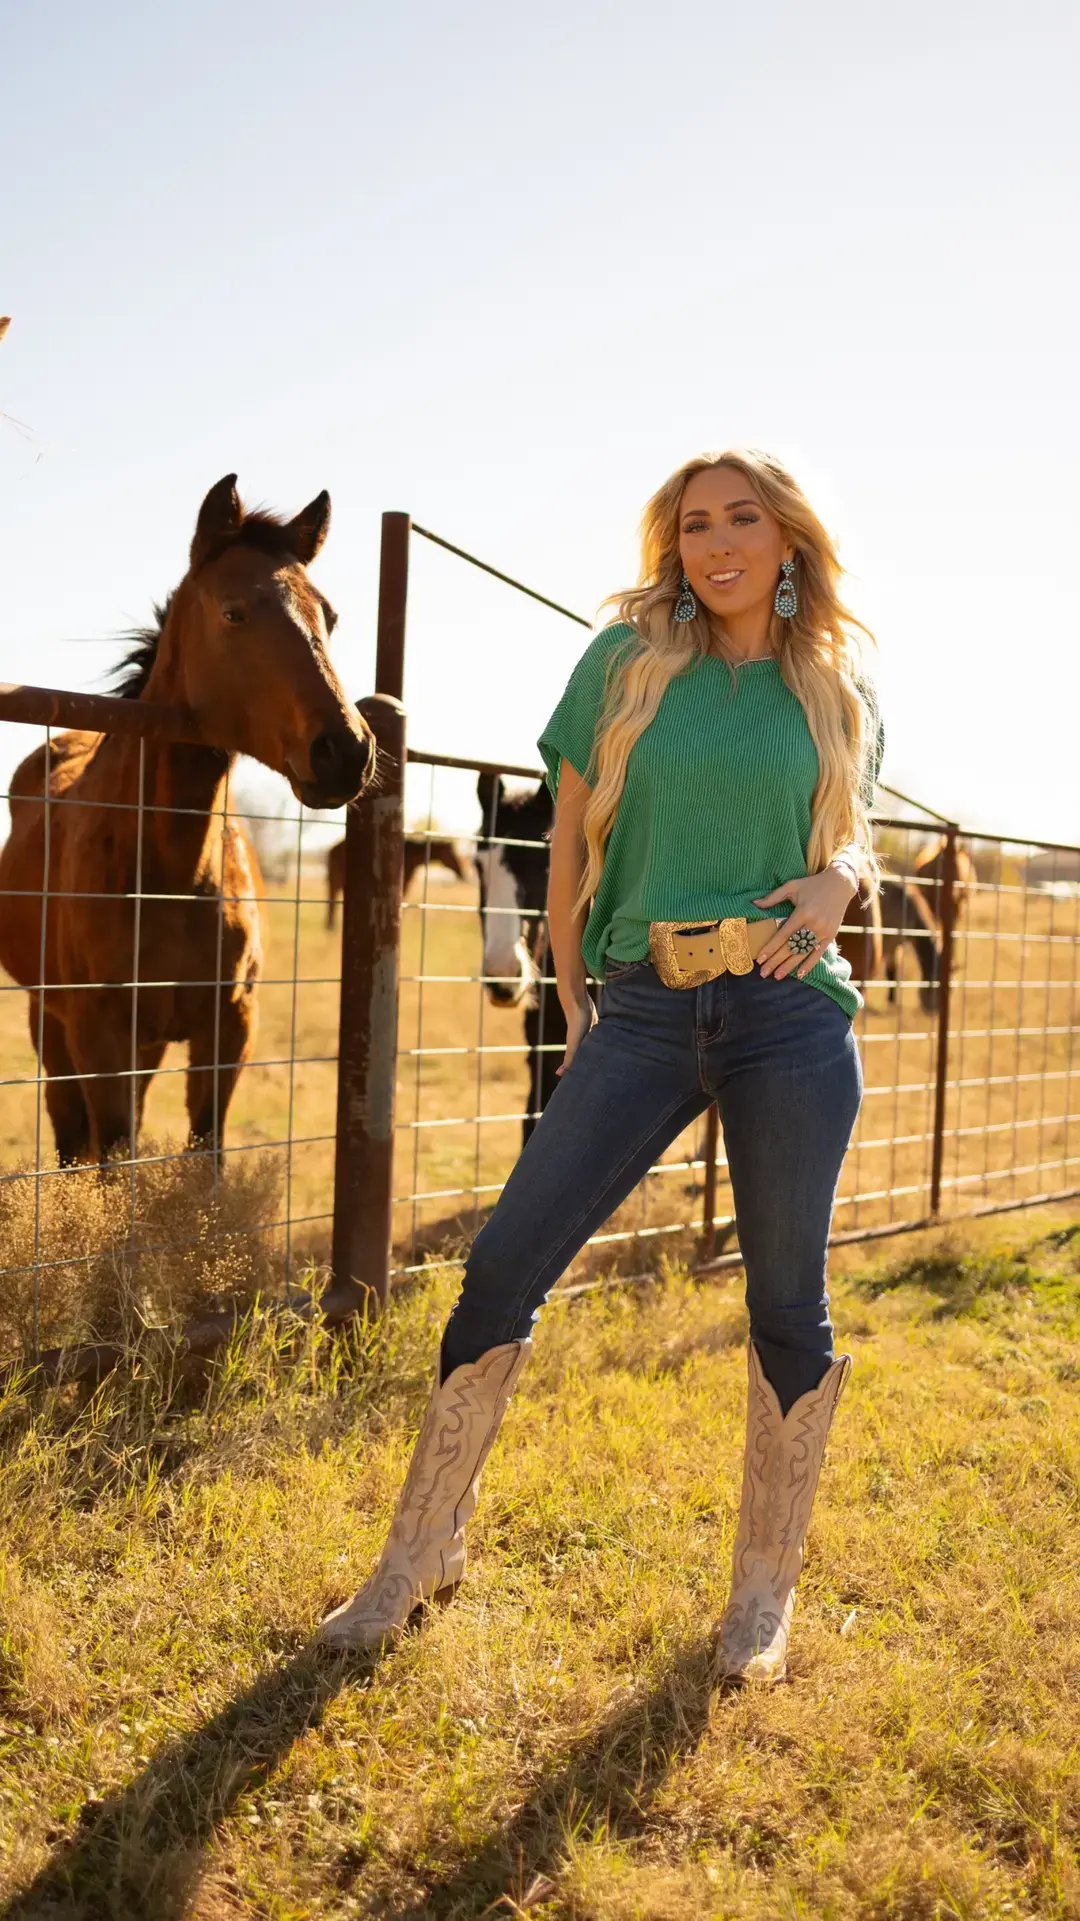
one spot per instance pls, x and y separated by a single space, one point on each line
580 1016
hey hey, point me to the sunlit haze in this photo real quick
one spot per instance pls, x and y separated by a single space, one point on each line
504 269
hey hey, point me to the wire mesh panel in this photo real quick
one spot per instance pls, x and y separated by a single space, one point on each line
1012 1123
895 956
474 1039
168 1050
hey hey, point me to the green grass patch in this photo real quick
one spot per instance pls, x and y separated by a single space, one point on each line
549 1745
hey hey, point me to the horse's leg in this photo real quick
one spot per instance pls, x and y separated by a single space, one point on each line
331 907
235 1040
929 993
151 1055
99 1038
532 1068
63 1095
554 1036
545 1028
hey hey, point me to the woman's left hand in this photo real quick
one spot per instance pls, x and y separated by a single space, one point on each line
819 902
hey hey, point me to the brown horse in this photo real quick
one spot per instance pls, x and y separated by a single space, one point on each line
166 892
444 853
874 932
907 910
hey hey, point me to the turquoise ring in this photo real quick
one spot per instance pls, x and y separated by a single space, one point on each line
803 942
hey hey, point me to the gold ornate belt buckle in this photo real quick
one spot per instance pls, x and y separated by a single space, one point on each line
689 956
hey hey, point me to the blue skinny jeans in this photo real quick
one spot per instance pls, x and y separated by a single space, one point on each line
779 1059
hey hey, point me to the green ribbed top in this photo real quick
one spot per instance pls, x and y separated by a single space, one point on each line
716 806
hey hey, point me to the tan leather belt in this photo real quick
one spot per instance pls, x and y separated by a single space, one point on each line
689 956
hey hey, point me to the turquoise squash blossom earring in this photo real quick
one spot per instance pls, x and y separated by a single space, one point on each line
787 600
686 605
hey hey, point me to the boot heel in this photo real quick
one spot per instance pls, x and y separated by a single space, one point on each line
441 1598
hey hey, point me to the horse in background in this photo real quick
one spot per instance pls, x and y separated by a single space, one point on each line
518 967
906 912
875 931
444 853
928 870
147 882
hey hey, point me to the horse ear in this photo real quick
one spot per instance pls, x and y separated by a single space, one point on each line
489 792
220 515
310 528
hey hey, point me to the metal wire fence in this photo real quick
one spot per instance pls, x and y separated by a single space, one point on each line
366 1117
143 1026
972 1085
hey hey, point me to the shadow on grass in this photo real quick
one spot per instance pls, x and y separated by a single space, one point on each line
448 1238
137 1856
605 1787
959 1279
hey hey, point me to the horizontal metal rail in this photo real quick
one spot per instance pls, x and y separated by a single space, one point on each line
100 714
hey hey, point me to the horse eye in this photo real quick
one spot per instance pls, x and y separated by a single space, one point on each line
234 615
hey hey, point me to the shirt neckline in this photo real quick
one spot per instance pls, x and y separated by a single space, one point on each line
738 666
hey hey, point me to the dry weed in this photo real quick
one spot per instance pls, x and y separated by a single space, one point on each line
134 1247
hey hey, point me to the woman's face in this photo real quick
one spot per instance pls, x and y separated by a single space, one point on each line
731 546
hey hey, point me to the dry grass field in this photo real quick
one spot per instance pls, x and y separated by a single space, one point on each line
1013 1110
170 1744
549 1745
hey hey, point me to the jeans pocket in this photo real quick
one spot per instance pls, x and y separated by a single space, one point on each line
621 970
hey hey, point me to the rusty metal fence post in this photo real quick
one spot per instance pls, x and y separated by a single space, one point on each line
370 950
367 1029
393 600
947 923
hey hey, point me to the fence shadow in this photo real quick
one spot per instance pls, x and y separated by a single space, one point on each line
607 1786
138 1855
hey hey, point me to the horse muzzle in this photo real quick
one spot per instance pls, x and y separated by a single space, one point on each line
505 994
342 764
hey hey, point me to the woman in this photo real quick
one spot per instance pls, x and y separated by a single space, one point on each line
713 759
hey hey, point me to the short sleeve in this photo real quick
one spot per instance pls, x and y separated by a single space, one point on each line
873 742
570 734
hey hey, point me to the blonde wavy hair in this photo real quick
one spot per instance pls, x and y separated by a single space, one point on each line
818 652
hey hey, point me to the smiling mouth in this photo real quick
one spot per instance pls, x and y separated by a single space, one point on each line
725 580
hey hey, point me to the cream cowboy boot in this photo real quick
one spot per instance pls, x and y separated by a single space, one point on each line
424 1554
780 1476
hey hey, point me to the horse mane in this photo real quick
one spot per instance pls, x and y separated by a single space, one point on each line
260 529
133 670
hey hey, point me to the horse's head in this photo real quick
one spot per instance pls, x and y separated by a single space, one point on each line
245 647
512 862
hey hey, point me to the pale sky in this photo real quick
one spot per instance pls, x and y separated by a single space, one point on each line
505 269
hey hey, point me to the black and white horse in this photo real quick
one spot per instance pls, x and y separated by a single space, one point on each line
512 862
